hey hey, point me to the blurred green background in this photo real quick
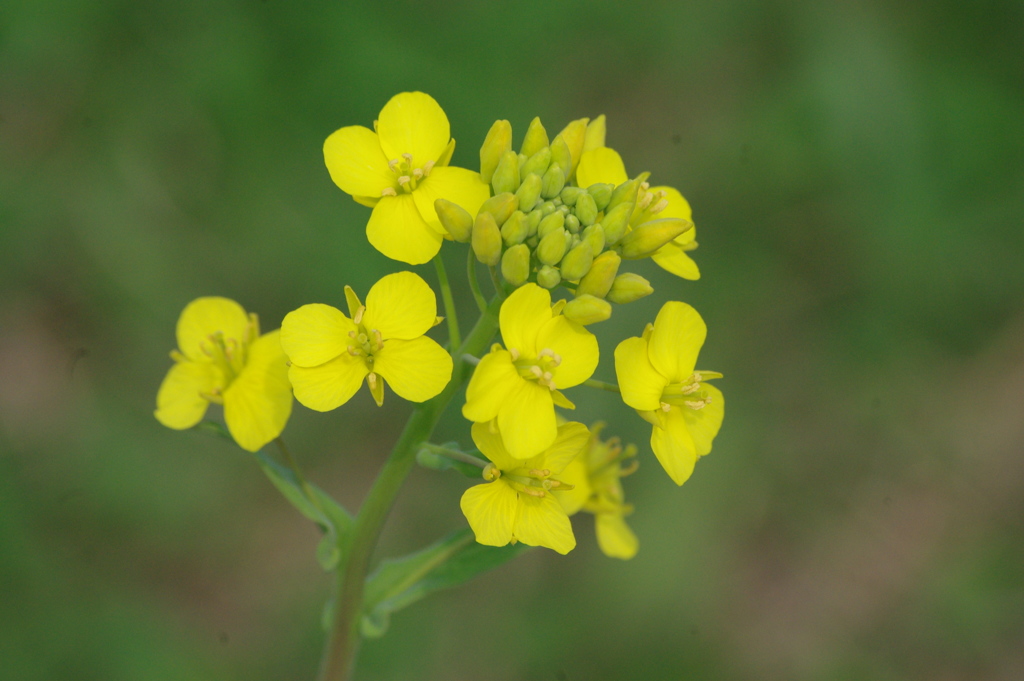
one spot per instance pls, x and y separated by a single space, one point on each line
856 171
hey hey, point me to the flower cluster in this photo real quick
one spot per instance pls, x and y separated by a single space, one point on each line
560 214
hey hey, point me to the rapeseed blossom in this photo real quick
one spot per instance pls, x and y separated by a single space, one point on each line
657 378
516 504
517 388
399 169
222 358
601 164
331 354
596 475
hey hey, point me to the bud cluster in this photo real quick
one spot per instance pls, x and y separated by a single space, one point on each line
541 226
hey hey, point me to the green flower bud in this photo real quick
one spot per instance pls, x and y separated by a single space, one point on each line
552 247
538 163
594 235
595 134
454 219
624 193
550 223
570 240
536 138
486 239
553 181
599 280
650 236
628 287
522 158
602 193
506 176
569 195
572 223
500 206
548 276
561 155
577 262
586 209
587 309
516 229
529 192
574 135
616 221
497 142
515 265
534 217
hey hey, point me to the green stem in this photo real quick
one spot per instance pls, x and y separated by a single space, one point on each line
456 455
474 283
496 280
454 337
602 385
357 549
294 465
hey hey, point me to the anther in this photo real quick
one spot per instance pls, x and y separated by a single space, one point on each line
388 191
665 406
696 404
556 359
427 167
417 173
689 390
408 157
355 352
538 473
404 180
641 204
533 492
393 165
546 352
536 371
514 353
547 376
371 379
359 314
660 206
351 334
378 341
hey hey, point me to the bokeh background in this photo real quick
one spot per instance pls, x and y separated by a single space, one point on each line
856 170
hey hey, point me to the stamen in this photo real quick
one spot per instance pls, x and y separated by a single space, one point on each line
547 376
536 371
393 165
378 341
665 406
536 473
371 379
359 314
354 351
644 186
514 353
427 167
351 334
696 405
388 191
534 492
417 173
404 180
642 203
408 157
546 352
556 359
660 206
689 390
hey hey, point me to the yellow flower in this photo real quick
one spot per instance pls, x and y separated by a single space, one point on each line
223 358
516 503
657 378
596 476
331 354
399 171
519 386
602 164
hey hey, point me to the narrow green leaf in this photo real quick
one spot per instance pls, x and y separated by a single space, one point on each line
448 562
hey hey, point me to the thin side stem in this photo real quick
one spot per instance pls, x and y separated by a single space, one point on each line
294 465
496 280
474 283
456 455
357 548
454 337
602 385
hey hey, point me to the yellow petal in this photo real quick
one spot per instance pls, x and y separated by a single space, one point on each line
572 437
601 165
315 333
614 536
329 385
458 185
397 230
179 403
521 317
490 509
639 381
371 201
413 123
672 258
673 445
541 521
576 346
490 445
416 369
526 420
703 424
356 163
574 474
492 381
258 403
678 335
205 316
400 305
